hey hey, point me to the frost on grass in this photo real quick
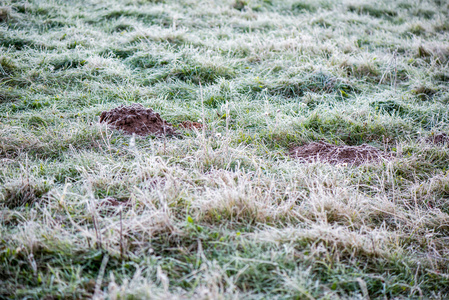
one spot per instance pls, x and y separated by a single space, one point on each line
224 213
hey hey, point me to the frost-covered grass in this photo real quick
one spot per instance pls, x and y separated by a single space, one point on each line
223 213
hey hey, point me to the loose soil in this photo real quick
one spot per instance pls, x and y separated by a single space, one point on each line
191 125
321 151
113 202
439 139
137 119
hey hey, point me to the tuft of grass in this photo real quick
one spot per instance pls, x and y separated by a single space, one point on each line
371 10
5 14
195 72
302 6
8 67
23 194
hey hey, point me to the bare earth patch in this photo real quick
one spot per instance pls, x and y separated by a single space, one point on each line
191 125
137 119
321 151
439 139
109 201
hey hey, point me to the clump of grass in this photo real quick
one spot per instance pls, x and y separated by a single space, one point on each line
121 53
416 29
63 63
239 4
316 82
179 90
375 11
302 6
147 16
424 92
147 60
391 107
5 14
441 26
349 130
7 67
362 68
438 53
8 95
435 192
23 193
424 13
205 72
174 37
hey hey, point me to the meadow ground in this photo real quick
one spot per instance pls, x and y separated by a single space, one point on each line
223 211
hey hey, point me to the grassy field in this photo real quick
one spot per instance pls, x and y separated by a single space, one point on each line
224 212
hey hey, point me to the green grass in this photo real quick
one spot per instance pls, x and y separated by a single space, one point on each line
223 213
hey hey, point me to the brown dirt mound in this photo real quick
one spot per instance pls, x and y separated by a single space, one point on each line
321 151
191 125
137 119
438 139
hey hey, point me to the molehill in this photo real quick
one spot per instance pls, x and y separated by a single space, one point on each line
138 120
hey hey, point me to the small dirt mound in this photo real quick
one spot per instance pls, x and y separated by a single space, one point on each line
439 139
191 125
137 119
321 151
